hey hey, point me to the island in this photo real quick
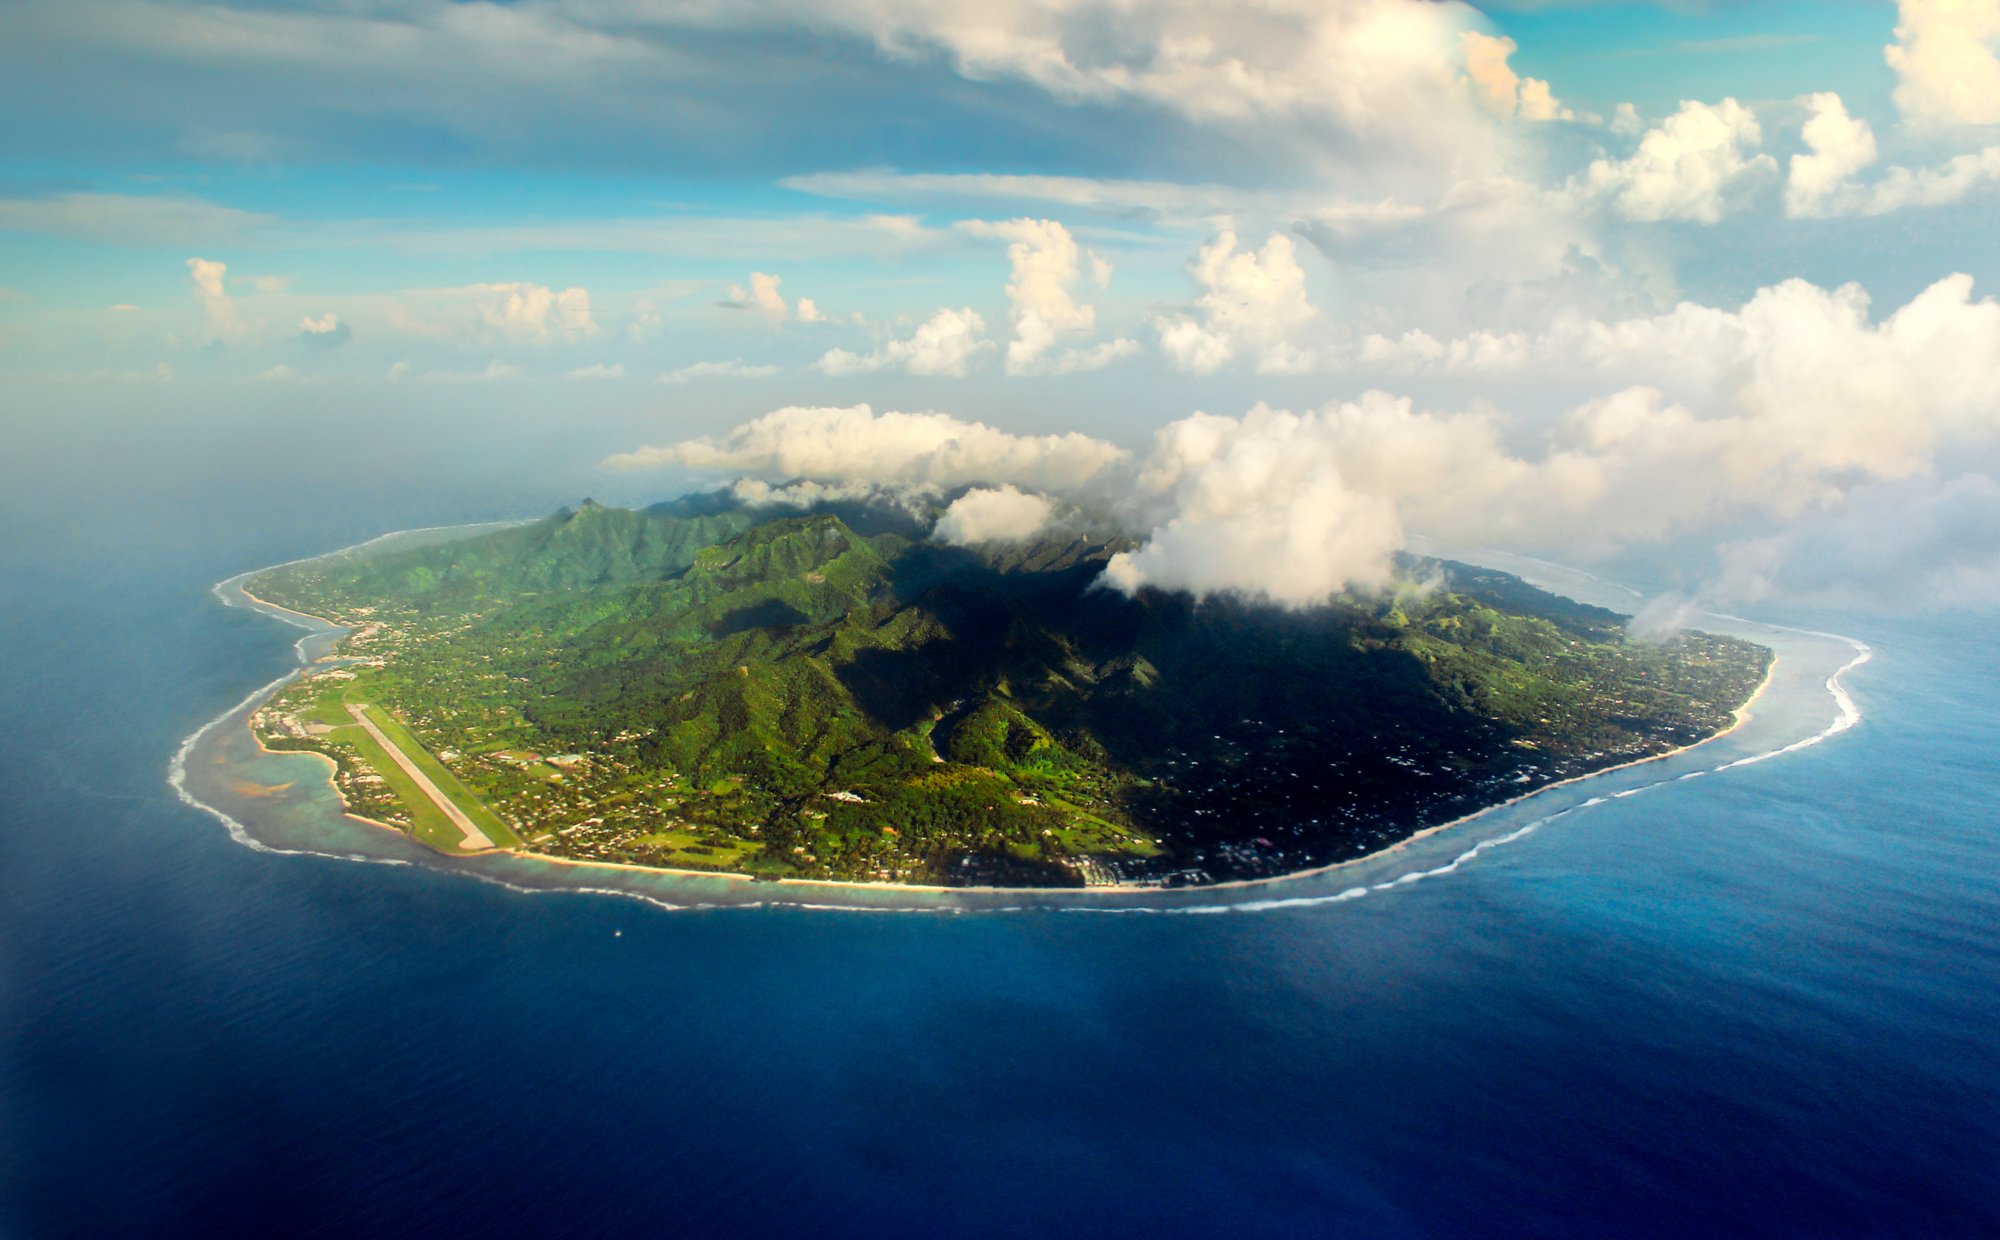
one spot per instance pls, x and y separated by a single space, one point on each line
829 693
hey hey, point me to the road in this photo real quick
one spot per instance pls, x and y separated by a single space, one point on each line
474 837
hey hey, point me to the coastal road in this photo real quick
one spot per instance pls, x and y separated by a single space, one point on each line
474 837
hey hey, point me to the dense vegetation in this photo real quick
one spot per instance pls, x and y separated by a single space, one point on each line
829 694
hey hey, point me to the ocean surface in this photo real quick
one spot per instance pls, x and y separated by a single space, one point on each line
1760 1002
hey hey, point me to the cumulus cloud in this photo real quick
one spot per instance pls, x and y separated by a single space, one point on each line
1502 90
1262 506
1954 180
508 313
762 296
324 332
1837 147
1800 399
1694 165
855 444
950 343
1046 267
1947 62
1252 303
1786 408
731 369
533 312
219 319
600 371
994 514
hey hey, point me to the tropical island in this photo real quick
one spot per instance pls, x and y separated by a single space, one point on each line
828 693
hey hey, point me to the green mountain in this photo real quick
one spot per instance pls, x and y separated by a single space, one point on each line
828 694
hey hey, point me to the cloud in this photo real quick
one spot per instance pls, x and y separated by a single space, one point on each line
598 372
854 444
1910 547
1252 301
1258 506
731 369
917 499
129 219
219 320
1694 165
1045 269
495 371
994 514
1805 363
1953 181
1089 357
627 83
514 313
1946 58
1788 407
1837 147
324 332
1127 198
534 313
763 297
950 343
1499 88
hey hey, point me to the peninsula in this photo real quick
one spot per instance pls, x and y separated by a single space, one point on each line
830 694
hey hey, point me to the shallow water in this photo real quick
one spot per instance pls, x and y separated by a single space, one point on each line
1757 1002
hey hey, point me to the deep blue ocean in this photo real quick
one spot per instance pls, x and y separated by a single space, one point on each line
1764 1004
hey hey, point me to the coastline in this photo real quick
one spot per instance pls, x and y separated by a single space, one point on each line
1739 716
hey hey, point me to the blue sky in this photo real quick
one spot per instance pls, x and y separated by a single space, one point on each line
1053 214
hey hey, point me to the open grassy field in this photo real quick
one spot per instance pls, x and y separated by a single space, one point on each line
498 831
428 823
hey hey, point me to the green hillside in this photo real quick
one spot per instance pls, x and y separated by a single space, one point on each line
830 695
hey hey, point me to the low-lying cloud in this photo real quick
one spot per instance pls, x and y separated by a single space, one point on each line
855 444
1794 415
1003 514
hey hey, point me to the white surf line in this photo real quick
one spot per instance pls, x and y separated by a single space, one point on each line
1849 715
177 780
177 765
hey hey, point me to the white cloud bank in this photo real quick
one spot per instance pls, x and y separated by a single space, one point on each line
1694 165
1790 404
533 312
950 343
1252 302
1947 62
855 444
